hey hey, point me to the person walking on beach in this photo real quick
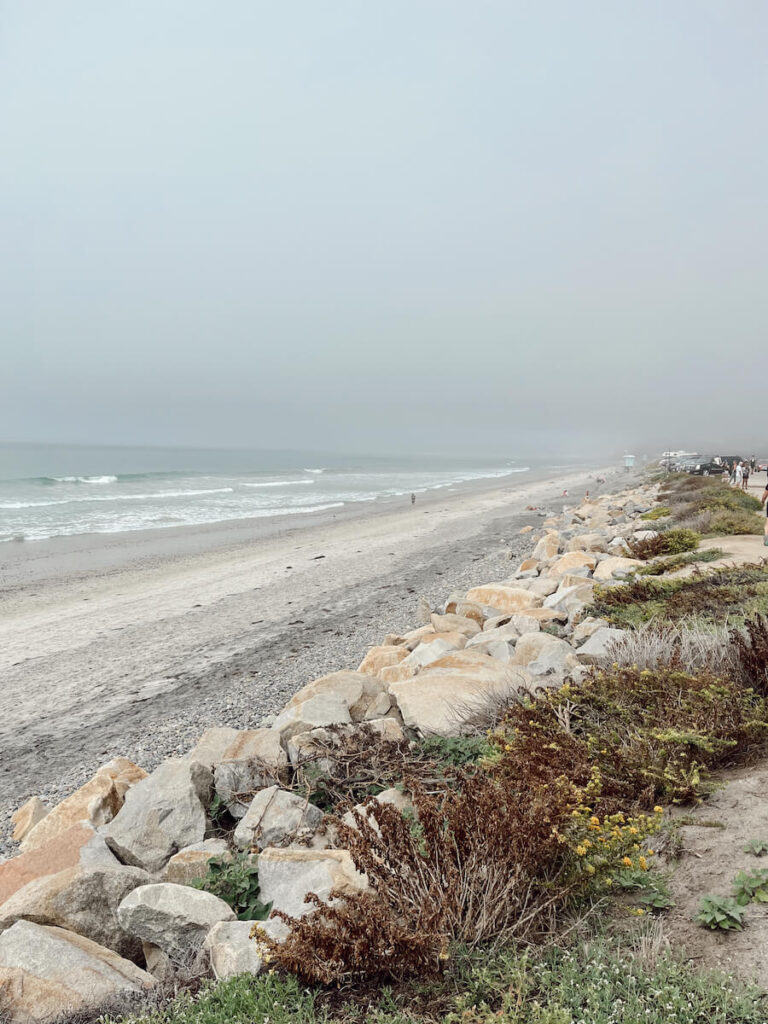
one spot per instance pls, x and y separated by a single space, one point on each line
738 475
745 477
413 499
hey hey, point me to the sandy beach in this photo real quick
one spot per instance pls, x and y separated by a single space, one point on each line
134 643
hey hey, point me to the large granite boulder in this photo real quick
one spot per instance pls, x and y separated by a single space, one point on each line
616 568
175 918
286 876
81 900
78 845
441 698
504 598
27 816
314 713
547 547
598 648
97 802
360 690
274 817
46 972
232 950
162 814
571 562
192 862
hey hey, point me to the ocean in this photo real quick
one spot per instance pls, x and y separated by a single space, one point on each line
57 490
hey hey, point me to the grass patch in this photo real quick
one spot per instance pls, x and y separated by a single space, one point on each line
591 982
734 593
710 506
662 566
656 513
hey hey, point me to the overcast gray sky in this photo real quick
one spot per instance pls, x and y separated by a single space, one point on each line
384 224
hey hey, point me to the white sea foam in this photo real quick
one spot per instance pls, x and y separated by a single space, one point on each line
280 483
321 470
85 479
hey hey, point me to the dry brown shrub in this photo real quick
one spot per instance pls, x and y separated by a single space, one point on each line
751 650
351 763
477 863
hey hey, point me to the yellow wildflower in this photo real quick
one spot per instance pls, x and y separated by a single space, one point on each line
594 820
627 862
581 850
643 863
658 810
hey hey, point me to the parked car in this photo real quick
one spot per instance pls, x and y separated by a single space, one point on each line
707 465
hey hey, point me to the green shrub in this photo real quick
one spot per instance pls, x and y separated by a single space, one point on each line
757 847
236 881
671 542
734 523
732 593
456 750
657 513
721 913
662 566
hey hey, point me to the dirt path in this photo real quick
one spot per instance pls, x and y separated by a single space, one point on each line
711 855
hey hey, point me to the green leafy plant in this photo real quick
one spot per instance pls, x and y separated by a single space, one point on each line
236 881
456 750
757 847
751 886
657 513
720 913
650 886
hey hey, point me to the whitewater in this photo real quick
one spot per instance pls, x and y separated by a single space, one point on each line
55 491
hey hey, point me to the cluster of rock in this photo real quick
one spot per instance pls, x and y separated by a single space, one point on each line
98 902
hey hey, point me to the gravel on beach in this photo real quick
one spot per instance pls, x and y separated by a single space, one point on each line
242 690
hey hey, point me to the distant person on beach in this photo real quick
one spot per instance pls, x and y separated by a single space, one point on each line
413 499
738 475
745 476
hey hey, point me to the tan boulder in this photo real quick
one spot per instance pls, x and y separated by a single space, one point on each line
533 646
571 580
467 609
547 547
456 640
504 598
286 876
527 564
544 616
450 623
263 744
416 636
27 816
381 657
525 529
570 561
587 627
48 973
192 862
437 702
587 542
358 689
211 746
97 802
611 568
82 900
396 673
64 851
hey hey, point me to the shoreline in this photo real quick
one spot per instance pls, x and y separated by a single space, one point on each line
137 658
28 561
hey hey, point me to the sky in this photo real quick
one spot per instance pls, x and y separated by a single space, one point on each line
384 225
